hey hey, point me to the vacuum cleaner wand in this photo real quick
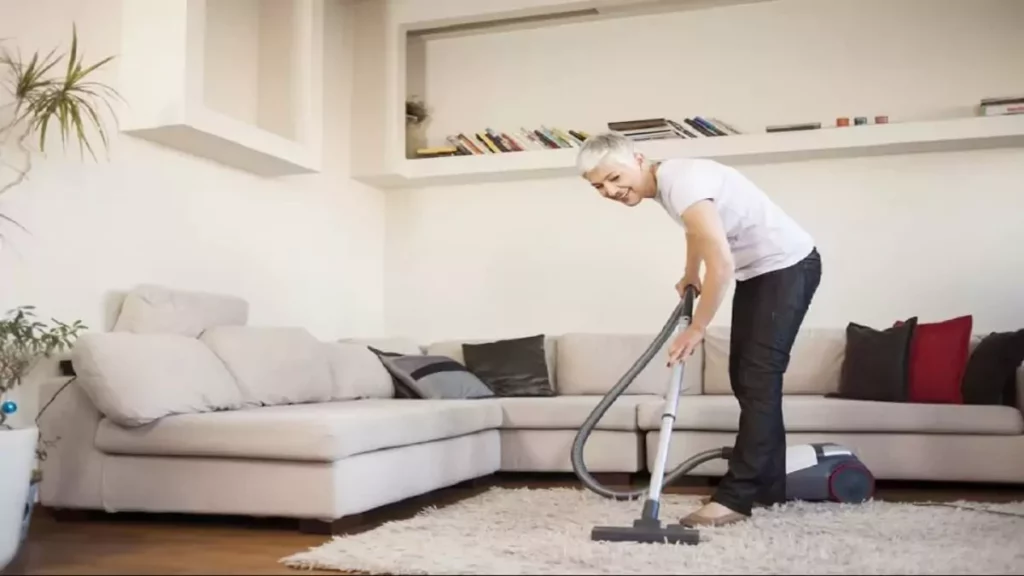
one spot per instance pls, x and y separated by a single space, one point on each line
647 528
814 472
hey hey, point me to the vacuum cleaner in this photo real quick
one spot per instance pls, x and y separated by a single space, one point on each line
814 472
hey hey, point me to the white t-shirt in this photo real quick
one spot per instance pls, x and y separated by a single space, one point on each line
761 236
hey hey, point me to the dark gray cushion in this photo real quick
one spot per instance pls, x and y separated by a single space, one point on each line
511 367
435 377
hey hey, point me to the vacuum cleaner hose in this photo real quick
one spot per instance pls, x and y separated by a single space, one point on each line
682 314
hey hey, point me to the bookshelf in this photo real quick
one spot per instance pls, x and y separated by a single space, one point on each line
959 134
392 33
384 31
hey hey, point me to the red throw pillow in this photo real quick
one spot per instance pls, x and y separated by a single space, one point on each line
938 359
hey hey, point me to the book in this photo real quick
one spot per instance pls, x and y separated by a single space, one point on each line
1001 106
658 128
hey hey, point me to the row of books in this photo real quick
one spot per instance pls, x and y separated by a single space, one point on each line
661 128
492 141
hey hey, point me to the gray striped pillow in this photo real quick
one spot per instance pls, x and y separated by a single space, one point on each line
435 377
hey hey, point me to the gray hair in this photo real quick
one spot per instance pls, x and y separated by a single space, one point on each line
600 148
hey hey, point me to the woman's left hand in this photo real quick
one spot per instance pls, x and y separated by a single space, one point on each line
684 344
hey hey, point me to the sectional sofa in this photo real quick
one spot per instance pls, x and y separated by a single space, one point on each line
184 407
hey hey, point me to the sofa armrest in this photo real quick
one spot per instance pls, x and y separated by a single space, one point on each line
73 468
1020 387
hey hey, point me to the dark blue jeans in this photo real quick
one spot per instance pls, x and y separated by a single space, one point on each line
767 312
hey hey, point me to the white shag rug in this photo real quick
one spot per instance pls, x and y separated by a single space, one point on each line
547 531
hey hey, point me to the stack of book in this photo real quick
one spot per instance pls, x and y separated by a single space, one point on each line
1001 106
660 128
491 141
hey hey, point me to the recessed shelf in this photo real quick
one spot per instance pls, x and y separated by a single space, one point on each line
238 82
972 133
417 17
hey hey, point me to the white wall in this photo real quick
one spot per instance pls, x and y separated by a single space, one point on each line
927 235
304 251
232 57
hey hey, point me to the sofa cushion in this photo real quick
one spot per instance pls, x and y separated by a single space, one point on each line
511 367
273 365
815 361
356 372
805 413
991 374
594 363
876 365
435 377
569 412
323 432
134 379
151 309
938 359
453 350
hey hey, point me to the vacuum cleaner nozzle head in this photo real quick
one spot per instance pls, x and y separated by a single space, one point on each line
646 533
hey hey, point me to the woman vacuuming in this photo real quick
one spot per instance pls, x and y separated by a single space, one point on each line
741 236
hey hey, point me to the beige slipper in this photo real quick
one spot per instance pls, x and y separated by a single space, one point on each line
704 500
695 520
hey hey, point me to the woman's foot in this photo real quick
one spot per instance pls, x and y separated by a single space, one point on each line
713 514
705 500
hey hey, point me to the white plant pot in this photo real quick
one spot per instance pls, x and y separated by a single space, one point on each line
17 457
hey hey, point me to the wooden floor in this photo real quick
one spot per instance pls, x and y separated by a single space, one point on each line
173 544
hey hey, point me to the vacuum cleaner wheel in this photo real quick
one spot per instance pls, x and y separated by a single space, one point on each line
851 482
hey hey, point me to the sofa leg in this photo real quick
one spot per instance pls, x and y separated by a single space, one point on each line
68 514
478 483
333 528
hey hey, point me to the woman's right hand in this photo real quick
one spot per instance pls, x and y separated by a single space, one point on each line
688 281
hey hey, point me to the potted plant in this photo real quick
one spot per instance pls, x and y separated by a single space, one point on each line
24 342
416 117
51 93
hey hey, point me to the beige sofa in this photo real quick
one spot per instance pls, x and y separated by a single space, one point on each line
183 407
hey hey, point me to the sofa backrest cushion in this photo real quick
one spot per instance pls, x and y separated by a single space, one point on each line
394 345
149 309
357 372
134 379
815 362
273 365
594 363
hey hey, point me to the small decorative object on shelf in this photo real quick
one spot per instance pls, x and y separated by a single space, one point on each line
860 120
416 116
1001 106
415 112
842 122
881 119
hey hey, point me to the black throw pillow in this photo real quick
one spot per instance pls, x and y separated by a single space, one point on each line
876 363
513 367
991 374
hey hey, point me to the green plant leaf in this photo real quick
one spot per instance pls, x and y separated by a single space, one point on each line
70 100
